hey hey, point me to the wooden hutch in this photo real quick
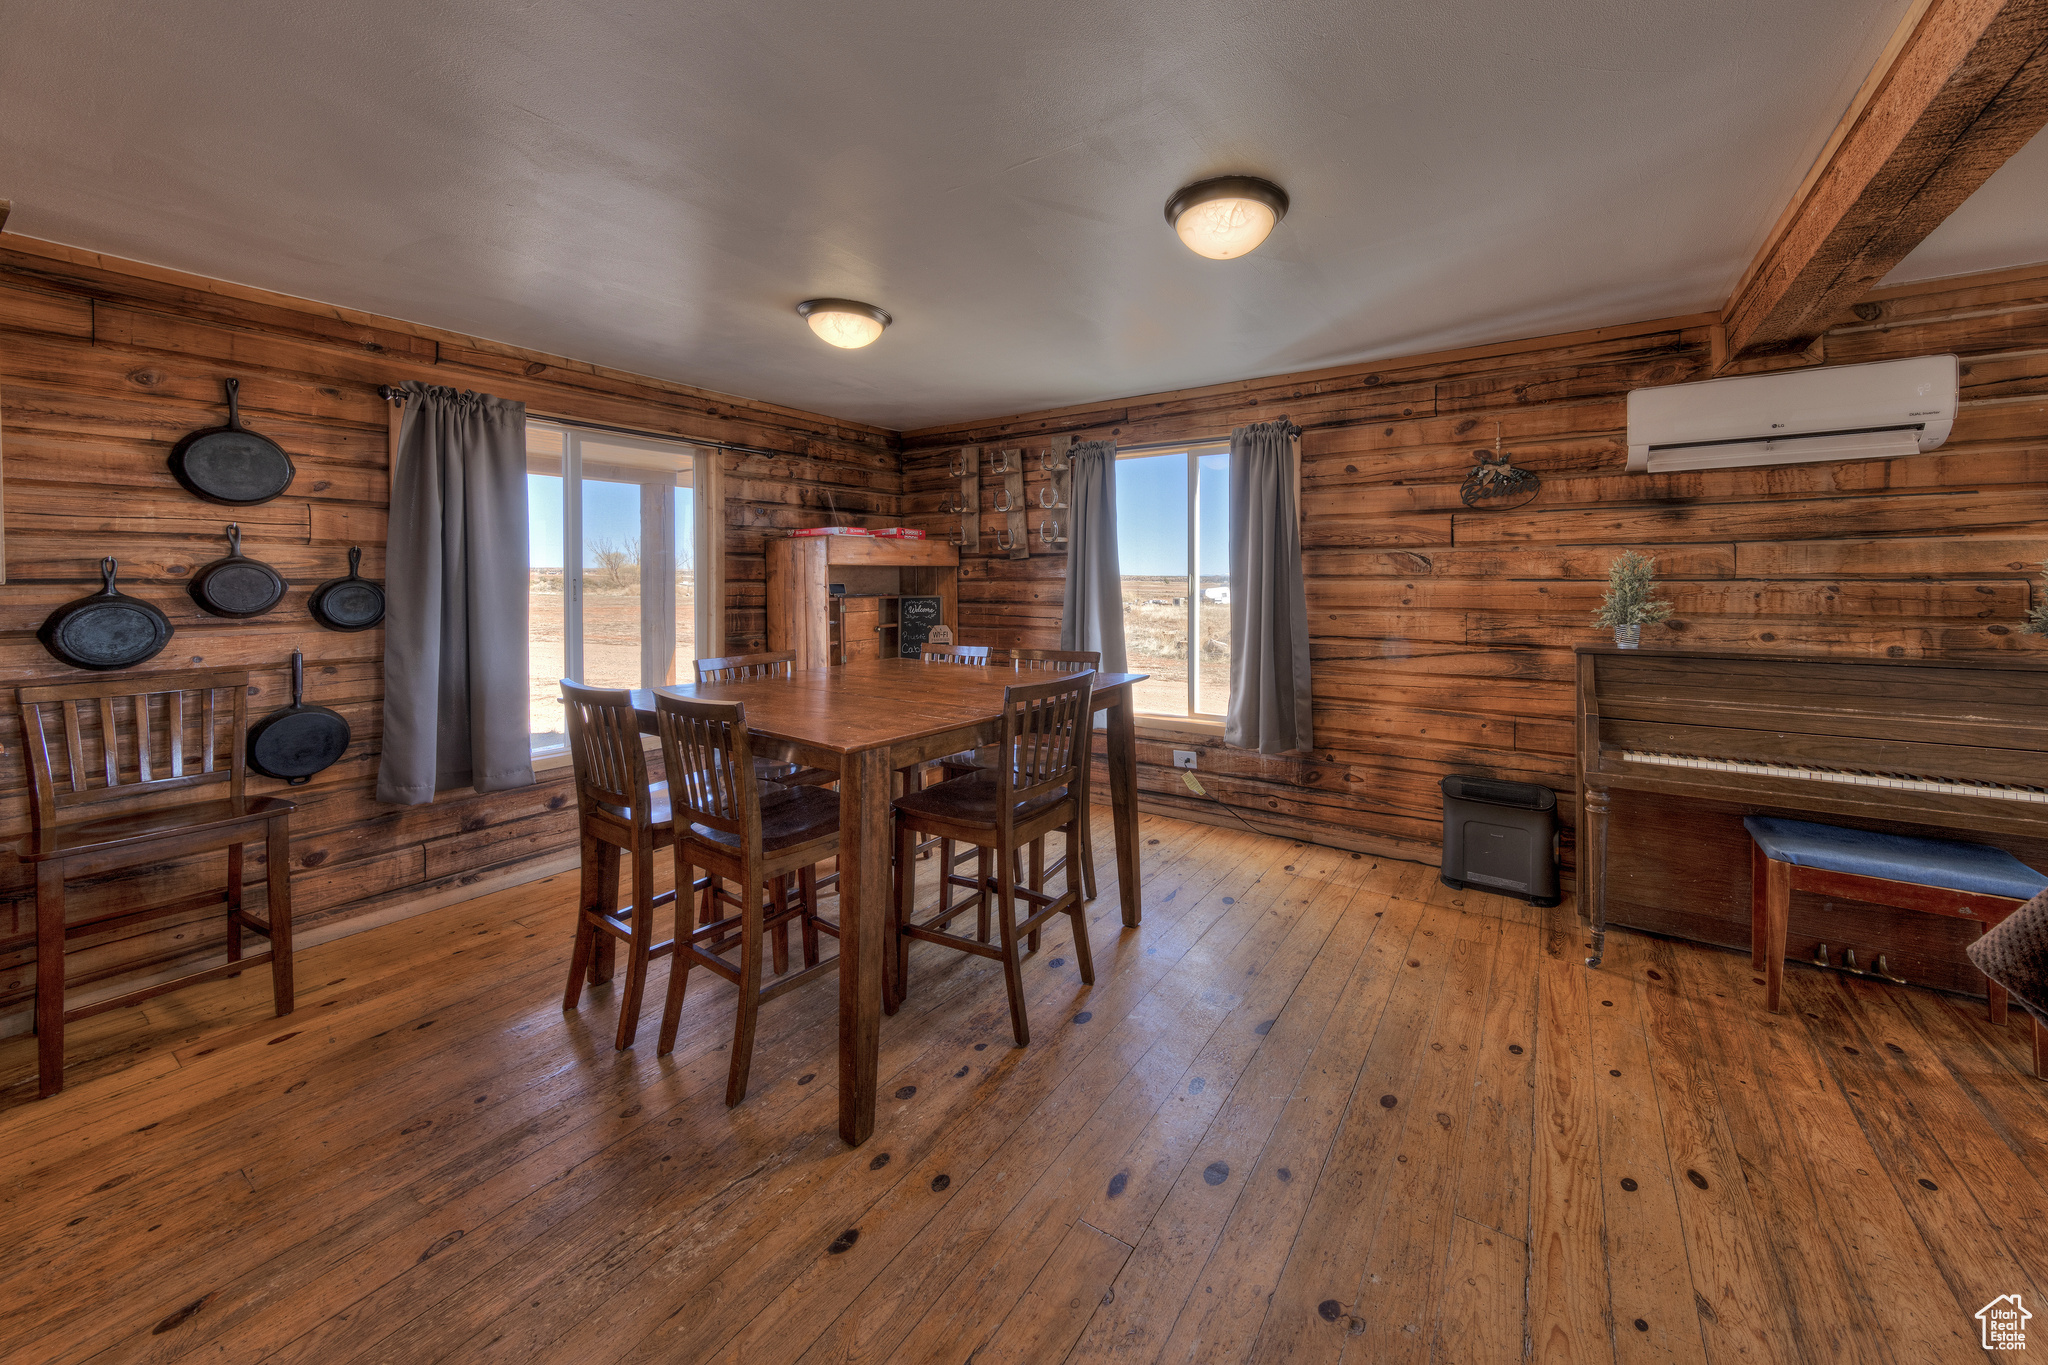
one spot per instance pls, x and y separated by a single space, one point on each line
824 628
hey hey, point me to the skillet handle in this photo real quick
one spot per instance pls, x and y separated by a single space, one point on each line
234 404
298 679
355 561
108 567
234 541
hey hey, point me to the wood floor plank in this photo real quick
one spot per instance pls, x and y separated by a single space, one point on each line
1655 1316
1904 1311
1398 1292
1739 1297
1485 1316
1500 1127
1160 1276
1226 1301
1313 1310
1979 1211
1074 1279
1568 1301
1082 1173
992 1167
1820 1270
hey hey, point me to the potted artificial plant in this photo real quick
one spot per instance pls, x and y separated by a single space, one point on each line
1630 580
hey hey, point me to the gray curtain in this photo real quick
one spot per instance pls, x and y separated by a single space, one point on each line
1269 696
455 685
1093 617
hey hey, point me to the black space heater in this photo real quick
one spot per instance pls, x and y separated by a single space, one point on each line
1501 837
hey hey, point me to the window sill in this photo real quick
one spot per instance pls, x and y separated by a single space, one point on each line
547 760
1179 725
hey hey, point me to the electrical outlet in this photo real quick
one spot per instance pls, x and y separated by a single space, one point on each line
1183 758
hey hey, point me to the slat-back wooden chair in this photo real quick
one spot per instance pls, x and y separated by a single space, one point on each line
744 668
619 811
977 655
767 771
1046 737
959 765
952 765
724 829
115 767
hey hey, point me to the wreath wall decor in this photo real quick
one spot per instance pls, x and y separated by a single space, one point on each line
1495 482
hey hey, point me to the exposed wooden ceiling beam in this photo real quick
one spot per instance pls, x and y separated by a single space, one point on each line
1961 87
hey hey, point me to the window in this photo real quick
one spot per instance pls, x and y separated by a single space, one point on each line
612 601
1173 544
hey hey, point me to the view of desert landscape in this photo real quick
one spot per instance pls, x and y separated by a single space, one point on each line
611 635
1156 641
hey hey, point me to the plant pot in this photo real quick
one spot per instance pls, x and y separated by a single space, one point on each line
1628 637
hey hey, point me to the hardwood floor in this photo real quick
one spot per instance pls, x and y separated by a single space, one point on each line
1319 1107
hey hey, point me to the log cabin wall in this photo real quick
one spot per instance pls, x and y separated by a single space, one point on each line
1442 635
105 364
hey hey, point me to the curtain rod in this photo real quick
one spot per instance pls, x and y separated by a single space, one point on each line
392 394
1292 428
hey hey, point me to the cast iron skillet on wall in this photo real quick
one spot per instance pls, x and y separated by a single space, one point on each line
351 603
237 586
106 630
294 743
232 465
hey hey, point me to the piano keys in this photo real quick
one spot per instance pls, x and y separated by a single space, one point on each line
1957 745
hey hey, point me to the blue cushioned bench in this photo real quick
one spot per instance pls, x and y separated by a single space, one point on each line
1938 876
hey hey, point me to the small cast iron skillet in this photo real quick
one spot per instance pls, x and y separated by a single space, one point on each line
351 603
106 630
232 464
300 740
236 586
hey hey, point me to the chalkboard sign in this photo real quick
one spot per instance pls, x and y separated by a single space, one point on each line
916 617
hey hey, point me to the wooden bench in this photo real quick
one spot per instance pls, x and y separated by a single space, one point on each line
1935 876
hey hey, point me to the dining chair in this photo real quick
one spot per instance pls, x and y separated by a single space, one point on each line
959 765
151 742
974 656
619 811
724 829
767 771
745 668
1045 737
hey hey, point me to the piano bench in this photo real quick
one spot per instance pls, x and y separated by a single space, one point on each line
1936 876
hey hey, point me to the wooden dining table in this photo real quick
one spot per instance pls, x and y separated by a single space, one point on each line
864 721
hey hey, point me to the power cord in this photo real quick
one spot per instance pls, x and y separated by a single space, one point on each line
1188 780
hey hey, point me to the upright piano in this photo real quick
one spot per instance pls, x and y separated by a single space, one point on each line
1955 744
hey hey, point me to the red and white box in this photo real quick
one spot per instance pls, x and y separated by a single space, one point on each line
899 533
834 531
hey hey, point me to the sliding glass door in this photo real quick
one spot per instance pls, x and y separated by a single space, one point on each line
612 597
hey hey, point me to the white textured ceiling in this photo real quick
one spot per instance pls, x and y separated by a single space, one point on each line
2004 223
654 186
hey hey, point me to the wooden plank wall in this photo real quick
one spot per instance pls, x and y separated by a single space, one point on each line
1442 635
105 364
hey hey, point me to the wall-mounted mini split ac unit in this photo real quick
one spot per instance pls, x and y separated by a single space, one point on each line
1844 412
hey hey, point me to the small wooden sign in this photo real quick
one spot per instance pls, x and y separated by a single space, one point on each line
916 618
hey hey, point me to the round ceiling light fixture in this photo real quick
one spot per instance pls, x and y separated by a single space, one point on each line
1226 217
844 322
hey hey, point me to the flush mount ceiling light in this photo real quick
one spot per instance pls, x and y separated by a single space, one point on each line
843 322
1226 217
